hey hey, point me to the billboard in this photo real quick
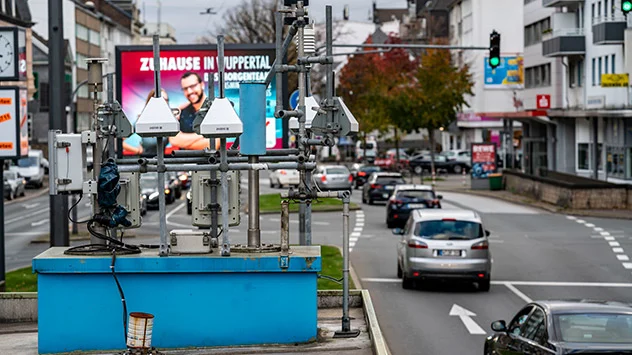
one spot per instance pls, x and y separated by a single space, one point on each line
186 71
14 140
483 160
508 75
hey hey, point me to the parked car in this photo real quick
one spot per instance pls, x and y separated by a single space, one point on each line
149 188
463 156
443 245
380 186
333 177
564 327
371 151
13 185
143 205
363 174
421 163
189 203
31 168
284 177
388 161
407 198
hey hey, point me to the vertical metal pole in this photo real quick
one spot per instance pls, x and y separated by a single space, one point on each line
254 230
302 134
278 61
329 67
308 210
346 322
112 135
94 79
214 205
58 204
595 147
2 261
285 226
225 251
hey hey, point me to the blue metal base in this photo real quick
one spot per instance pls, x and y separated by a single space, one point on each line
197 301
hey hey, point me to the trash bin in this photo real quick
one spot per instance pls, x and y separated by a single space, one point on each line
495 181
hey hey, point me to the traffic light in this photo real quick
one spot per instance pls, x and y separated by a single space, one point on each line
494 49
626 6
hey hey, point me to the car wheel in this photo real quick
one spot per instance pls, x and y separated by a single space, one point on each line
407 284
363 199
399 270
370 201
484 285
11 195
271 184
458 169
23 193
178 194
418 170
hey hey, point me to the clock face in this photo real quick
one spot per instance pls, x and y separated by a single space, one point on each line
7 54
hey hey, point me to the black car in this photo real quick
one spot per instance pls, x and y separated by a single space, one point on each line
421 163
149 188
565 327
363 174
407 198
380 186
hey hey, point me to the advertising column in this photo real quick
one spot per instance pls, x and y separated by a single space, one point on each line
483 164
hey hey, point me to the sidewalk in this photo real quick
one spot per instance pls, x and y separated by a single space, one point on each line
456 183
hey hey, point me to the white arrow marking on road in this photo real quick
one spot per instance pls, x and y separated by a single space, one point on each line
33 205
35 224
466 318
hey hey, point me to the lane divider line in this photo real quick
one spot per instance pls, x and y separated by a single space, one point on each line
616 246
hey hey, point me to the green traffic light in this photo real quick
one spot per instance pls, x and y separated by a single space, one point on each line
626 6
494 61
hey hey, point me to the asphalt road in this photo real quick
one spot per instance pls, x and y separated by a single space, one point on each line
536 255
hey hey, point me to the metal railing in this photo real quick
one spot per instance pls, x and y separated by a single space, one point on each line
602 19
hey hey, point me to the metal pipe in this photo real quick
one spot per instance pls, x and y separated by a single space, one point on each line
302 132
97 151
398 45
285 227
225 239
220 58
214 205
279 54
154 161
162 205
206 153
192 153
215 167
346 321
329 67
254 230
286 44
308 210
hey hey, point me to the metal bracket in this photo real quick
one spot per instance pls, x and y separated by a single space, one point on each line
174 240
62 144
284 261
89 187
63 181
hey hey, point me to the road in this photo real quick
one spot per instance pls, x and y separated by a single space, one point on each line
536 255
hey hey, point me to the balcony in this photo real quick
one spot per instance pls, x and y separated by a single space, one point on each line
608 30
564 42
560 3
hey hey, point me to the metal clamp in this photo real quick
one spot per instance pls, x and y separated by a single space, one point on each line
284 261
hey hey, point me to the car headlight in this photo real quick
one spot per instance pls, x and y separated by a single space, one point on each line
153 195
167 191
183 178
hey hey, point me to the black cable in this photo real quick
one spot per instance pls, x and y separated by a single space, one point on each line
120 289
70 211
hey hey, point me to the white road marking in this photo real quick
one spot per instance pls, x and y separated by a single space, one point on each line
321 223
174 211
622 257
605 233
571 217
355 234
35 224
609 238
627 265
33 205
466 317
24 234
527 283
357 229
590 225
598 229
517 292
617 250
580 221
614 244
353 239
21 218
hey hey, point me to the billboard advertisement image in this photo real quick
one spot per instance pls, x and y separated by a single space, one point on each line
508 75
186 71
483 160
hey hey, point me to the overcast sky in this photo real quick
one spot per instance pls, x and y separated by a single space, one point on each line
184 15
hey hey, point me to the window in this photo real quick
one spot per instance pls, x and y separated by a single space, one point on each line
580 72
538 76
8 7
599 68
535 327
449 230
95 38
594 328
572 74
614 71
83 92
44 98
82 32
519 319
533 32
594 77
599 9
592 15
605 70
584 156
82 61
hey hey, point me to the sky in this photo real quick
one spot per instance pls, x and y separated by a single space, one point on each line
185 17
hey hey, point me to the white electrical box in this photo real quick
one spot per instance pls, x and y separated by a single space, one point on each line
221 120
187 241
310 104
157 120
201 198
67 163
129 197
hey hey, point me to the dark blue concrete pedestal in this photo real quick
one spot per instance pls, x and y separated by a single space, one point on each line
197 301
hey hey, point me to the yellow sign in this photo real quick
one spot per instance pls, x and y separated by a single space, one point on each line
6 145
5 101
5 117
614 80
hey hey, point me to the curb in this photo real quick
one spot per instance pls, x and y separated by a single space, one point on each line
28 198
375 332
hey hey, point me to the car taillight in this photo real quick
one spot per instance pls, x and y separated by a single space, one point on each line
484 245
282 172
415 244
375 186
350 178
361 173
399 202
323 178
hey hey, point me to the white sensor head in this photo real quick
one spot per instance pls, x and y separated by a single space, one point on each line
157 120
221 120
310 102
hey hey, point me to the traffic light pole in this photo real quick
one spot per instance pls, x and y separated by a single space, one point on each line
400 45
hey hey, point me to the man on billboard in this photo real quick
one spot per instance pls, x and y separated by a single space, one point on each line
193 89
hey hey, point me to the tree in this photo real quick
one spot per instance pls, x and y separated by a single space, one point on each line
434 93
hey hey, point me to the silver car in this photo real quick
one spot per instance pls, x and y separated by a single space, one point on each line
333 177
443 244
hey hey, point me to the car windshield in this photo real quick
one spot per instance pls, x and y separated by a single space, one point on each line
337 171
27 162
594 328
149 180
449 230
390 180
416 194
370 169
10 175
368 146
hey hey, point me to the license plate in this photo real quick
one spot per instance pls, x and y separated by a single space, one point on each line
449 252
385 195
389 187
416 205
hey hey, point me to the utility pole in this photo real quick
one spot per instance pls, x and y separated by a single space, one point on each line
58 208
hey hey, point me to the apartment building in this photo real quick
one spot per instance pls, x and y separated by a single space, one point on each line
496 92
572 48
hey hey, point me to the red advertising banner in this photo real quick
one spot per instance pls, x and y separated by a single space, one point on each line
483 160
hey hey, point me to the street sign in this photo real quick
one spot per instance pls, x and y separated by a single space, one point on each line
294 100
543 101
614 80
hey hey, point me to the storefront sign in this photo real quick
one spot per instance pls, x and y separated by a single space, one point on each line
14 140
483 160
614 80
543 101
595 102
508 75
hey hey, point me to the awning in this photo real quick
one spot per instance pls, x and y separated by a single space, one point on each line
522 116
574 113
